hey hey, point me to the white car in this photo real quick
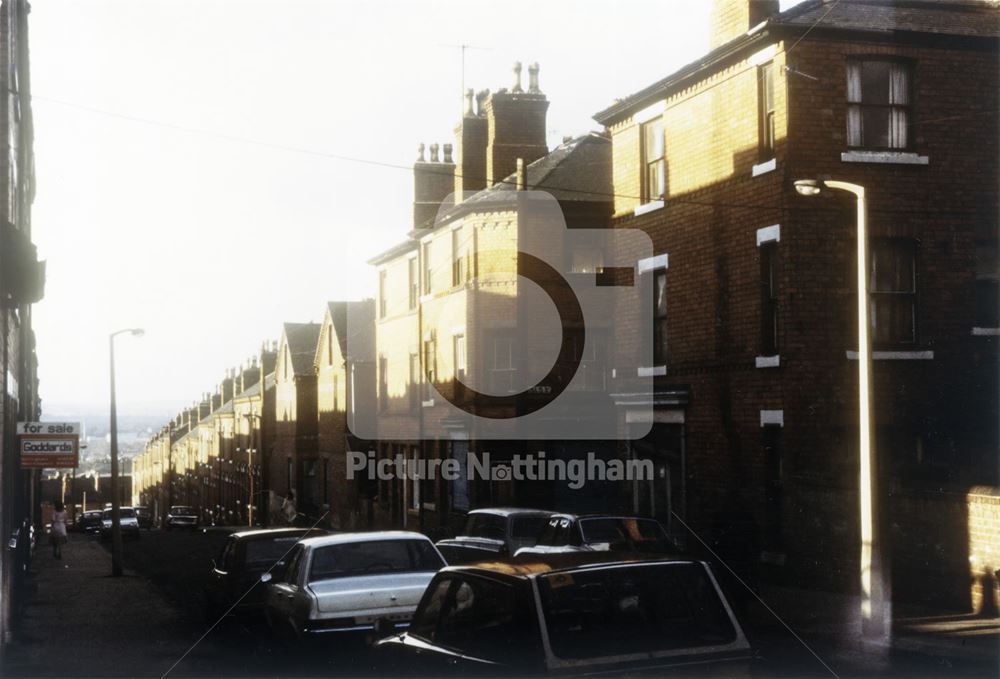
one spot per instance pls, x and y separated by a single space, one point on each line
127 519
347 582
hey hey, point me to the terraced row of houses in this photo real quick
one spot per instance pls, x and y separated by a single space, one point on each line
734 375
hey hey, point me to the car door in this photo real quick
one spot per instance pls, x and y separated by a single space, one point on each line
282 595
452 625
217 591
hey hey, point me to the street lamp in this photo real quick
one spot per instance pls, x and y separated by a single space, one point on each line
116 525
873 592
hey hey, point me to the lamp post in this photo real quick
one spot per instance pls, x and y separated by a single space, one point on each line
874 608
116 525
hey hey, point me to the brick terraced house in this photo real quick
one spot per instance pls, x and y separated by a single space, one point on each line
754 312
450 314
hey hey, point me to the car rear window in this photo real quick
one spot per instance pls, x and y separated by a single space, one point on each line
183 511
644 535
267 552
486 526
372 558
626 610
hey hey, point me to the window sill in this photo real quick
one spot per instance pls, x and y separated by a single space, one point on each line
764 168
890 157
768 361
895 355
655 371
645 208
986 332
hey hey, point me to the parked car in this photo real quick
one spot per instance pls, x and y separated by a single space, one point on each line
571 614
494 533
181 516
345 582
235 575
126 519
601 533
89 521
145 517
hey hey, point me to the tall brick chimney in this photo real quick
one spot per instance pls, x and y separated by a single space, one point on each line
433 181
470 146
204 406
733 18
249 374
268 358
226 386
515 122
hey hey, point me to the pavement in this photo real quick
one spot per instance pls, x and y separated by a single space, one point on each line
79 621
827 627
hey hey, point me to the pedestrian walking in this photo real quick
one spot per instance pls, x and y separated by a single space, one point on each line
58 534
288 509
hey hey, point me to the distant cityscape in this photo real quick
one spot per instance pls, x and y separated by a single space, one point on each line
95 443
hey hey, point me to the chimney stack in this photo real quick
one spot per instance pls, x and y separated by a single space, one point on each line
268 359
733 18
226 388
433 181
515 128
470 147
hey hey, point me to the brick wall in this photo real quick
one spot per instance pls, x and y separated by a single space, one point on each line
938 414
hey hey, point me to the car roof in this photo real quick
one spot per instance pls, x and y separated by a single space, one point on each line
277 533
511 511
594 515
370 536
533 565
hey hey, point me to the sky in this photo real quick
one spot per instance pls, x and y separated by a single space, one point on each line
191 171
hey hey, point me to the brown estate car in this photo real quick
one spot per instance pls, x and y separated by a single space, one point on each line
573 614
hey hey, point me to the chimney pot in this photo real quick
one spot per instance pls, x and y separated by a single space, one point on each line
468 96
481 97
533 78
434 153
522 175
447 153
516 86
420 153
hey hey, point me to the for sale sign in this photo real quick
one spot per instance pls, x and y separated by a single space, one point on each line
48 445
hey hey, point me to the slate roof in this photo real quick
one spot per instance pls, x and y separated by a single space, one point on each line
302 339
958 18
944 17
354 325
578 170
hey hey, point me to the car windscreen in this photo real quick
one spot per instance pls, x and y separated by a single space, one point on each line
373 557
264 553
124 513
643 535
625 610
183 511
